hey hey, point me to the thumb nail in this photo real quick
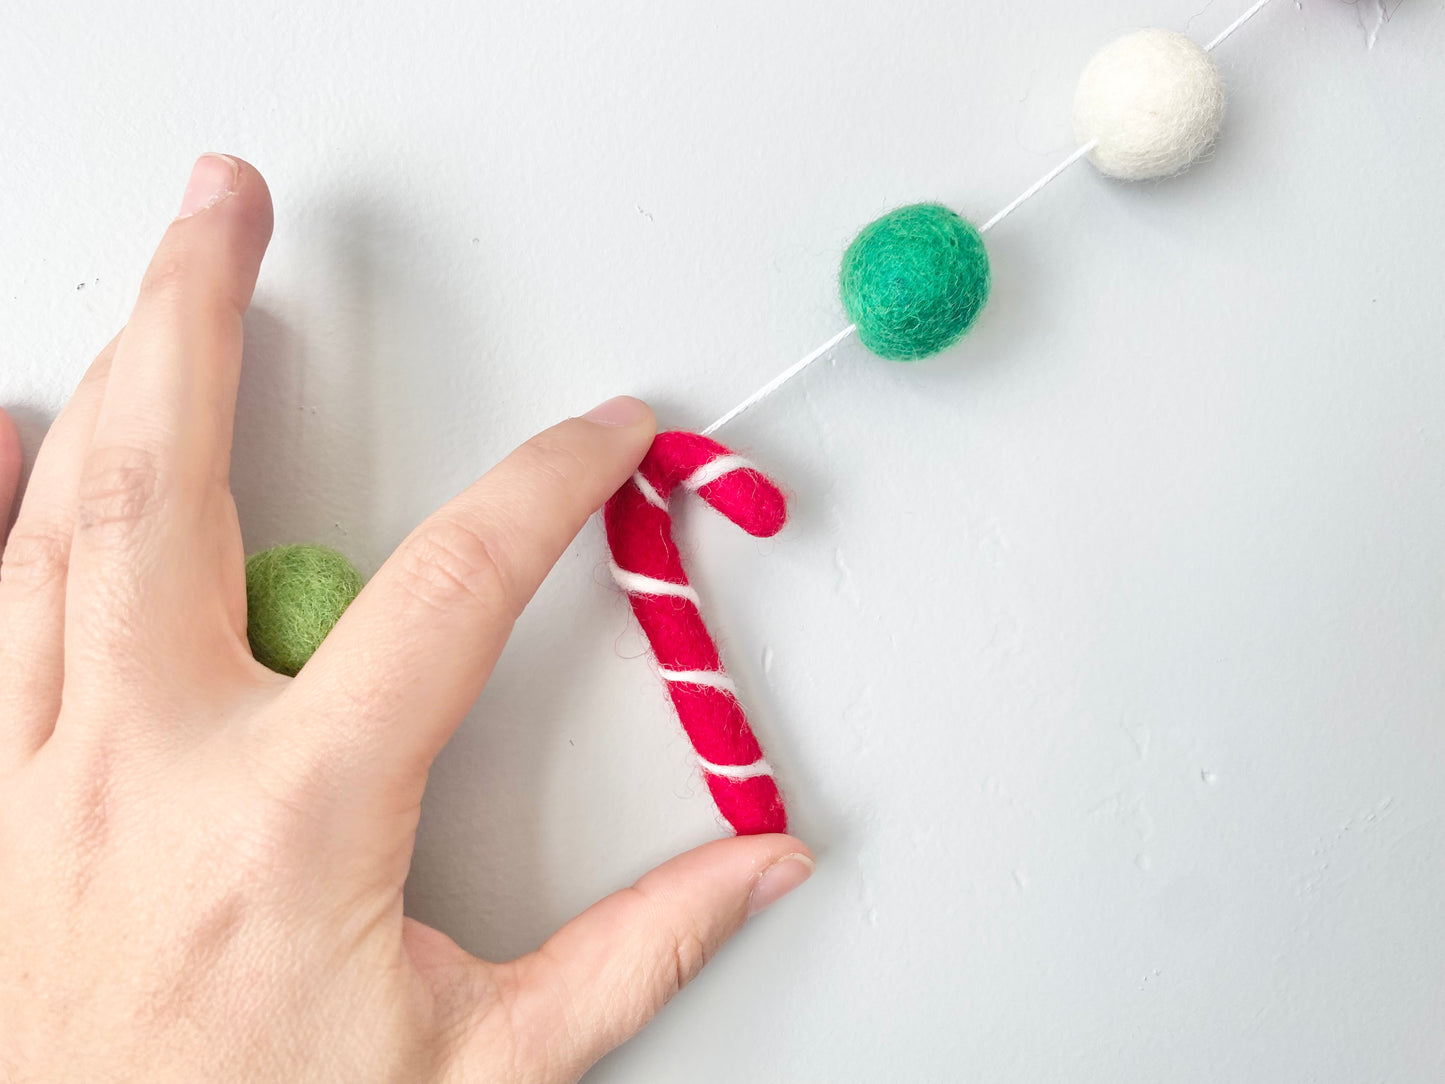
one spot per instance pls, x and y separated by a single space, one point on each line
617 413
213 178
784 875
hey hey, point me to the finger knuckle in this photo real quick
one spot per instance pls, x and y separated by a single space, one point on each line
93 381
690 954
169 278
119 488
179 282
450 560
686 955
36 553
355 696
557 464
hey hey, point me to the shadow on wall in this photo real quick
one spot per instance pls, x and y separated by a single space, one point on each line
355 418
484 870
302 466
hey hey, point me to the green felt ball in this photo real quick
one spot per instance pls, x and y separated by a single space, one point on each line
914 281
294 594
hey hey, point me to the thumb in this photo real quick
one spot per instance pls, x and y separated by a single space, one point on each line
608 971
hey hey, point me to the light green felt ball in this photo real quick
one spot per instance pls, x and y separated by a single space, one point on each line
914 281
294 594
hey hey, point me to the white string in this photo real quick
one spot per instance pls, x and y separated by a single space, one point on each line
779 380
1023 197
1232 27
1038 186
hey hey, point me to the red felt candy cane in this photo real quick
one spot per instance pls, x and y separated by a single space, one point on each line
647 565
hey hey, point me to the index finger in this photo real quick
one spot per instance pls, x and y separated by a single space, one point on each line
395 676
154 519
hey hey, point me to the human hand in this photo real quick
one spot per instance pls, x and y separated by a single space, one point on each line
201 862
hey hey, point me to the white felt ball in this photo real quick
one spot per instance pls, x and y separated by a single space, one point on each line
1154 101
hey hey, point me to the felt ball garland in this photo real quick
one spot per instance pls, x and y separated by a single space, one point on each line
912 284
914 281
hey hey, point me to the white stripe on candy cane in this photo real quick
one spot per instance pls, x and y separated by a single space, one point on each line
713 679
737 771
634 583
714 469
649 494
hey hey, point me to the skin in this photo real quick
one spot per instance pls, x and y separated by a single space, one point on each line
201 862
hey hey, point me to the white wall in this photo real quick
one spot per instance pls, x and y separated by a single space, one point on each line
1104 659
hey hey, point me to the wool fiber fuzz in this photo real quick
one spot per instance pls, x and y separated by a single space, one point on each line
294 594
914 281
1153 102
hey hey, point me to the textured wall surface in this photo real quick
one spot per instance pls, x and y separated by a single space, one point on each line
1104 660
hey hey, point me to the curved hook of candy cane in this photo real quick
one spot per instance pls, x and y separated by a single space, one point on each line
647 565
728 482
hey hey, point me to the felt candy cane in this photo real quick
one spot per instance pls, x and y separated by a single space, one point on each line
646 564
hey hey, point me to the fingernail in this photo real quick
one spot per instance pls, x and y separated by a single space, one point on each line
213 178
618 413
784 875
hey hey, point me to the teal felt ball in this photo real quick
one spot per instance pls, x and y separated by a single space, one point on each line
294 594
914 281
